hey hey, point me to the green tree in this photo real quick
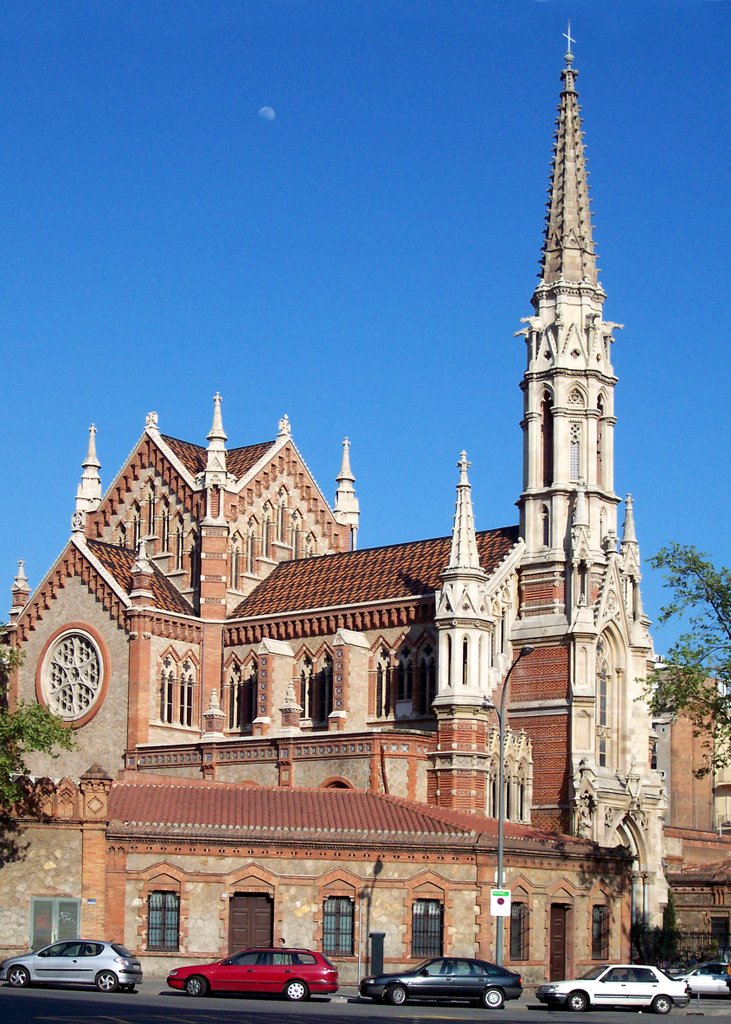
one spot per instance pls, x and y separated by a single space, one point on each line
696 680
25 728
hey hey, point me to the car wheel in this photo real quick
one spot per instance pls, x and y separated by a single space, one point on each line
492 998
106 981
662 1004
396 995
196 986
18 977
577 1001
296 991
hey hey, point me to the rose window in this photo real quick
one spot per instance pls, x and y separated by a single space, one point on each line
73 676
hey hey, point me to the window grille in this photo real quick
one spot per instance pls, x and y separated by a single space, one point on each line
337 931
519 931
163 921
600 933
427 928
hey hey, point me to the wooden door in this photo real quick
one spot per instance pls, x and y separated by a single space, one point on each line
250 918
557 965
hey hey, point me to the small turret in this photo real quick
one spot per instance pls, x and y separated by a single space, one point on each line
20 591
347 509
89 491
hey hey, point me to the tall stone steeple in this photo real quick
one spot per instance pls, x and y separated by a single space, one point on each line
569 382
347 509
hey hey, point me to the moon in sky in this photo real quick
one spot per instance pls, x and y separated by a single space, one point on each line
267 113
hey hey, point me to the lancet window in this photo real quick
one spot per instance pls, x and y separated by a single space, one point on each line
383 684
187 681
405 676
240 698
164 526
426 689
547 438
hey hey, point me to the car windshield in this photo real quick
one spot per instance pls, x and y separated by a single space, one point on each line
593 974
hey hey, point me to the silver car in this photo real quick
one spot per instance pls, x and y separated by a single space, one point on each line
712 979
105 965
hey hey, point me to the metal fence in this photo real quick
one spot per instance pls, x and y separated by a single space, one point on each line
669 948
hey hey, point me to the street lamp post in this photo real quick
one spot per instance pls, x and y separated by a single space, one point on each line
523 653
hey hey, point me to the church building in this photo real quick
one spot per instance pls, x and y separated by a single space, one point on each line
281 735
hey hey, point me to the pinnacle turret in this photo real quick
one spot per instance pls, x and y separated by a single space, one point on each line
568 247
347 508
216 457
89 491
463 553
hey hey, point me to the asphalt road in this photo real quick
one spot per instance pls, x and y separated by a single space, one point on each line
153 1004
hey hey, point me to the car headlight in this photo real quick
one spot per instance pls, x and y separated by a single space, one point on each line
173 972
550 988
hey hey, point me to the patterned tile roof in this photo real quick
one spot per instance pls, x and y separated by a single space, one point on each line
238 460
119 561
400 571
149 805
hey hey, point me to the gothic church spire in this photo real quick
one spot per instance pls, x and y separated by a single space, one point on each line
568 246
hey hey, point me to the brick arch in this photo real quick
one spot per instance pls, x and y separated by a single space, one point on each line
337 782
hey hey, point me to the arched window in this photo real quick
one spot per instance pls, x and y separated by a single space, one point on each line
323 696
266 536
602 702
309 546
600 443
194 553
251 549
547 438
306 680
546 526
296 537
136 527
383 688
235 567
427 687
179 544
282 517
186 694
234 695
465 660
449 661
122 536
167 691
165 526
150 513
405 676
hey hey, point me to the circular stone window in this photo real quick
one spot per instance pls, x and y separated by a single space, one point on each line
72 675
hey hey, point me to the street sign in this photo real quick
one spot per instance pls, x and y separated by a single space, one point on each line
500 902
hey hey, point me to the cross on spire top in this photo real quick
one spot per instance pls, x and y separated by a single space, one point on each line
569 40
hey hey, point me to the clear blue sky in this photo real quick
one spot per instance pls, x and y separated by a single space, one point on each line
362 259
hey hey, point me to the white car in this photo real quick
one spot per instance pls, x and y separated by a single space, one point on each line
617 985
712 979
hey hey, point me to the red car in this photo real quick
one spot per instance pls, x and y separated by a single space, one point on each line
293 973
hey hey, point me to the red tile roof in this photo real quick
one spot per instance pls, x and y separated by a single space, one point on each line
119 561
400 571
238 460
149 805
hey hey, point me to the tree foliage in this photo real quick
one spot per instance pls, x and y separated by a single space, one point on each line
25 728
696 680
